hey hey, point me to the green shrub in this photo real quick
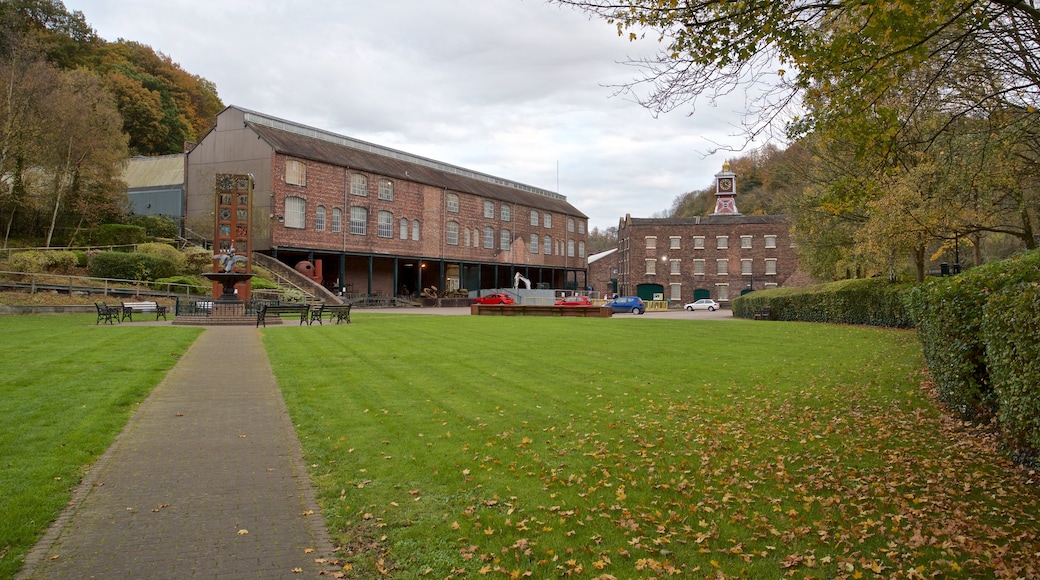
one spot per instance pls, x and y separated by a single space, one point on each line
948 314
112 235
1011 333
196 285
81 258
165 251
156 226
125 266
43 261
872 301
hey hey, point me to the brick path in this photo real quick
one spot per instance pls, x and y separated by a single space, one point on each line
206 481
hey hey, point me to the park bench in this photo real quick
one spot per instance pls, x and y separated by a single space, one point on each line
107 313
315 314
338 312
763 313
130 307
279 309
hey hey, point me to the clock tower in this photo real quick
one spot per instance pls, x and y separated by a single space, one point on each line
726 192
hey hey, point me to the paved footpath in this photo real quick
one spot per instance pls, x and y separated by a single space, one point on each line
206 481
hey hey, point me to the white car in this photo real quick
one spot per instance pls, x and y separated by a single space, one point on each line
702 304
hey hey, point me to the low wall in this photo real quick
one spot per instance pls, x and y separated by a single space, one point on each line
540 310
70 309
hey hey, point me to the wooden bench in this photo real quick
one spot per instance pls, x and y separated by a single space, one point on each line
109 314
130 307
279 309
338 312
762 313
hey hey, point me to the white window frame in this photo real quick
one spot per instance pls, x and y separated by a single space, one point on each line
675 242
722 292
651 242
747 266
402 228
651 266
453 233
698 242
505 214
415 230
453 202
570 225
505 240
385 224
358 185
295 172
319 218
337 220
721 242
770 266
745 242
534 218
547 246
675 267
675 289
295 212
698 267
489 237
534 244
581 249
358 220
489 209
770 241
581 227
386 189
722 267
547 220
570 248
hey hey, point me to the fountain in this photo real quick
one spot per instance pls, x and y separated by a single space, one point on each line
227 278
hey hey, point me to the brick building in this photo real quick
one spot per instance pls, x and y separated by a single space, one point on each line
379 220
719 256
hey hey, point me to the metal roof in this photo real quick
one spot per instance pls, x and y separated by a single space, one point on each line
308 143
150 172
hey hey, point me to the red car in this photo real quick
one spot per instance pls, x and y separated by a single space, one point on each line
495 298
574 301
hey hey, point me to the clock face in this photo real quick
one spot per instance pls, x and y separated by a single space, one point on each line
725 184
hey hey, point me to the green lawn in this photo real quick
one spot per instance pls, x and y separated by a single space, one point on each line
67 388
640 448
589 448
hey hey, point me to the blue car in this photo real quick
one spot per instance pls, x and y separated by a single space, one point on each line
633 304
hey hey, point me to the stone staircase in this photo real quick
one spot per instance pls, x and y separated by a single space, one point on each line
289 278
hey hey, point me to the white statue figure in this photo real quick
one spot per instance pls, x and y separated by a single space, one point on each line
229 260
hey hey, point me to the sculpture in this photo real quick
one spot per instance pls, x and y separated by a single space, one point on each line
229 260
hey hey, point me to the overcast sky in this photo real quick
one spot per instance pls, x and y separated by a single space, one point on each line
518 89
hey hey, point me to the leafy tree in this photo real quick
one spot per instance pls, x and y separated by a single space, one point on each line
82 151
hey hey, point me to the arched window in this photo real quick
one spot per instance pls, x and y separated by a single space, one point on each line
453 202
337 220
403 226
547 247
505 240
386 224
358 221
534 217
453 234
489 237
415 230
319 218
295 212
534 244
386 190
358 185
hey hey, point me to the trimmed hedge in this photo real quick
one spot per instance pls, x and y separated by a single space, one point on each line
871 301
948 314
1011 333
125 266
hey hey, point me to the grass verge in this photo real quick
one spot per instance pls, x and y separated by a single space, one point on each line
67 388
639 448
